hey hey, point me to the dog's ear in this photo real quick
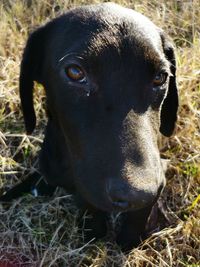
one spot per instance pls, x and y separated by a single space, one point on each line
170 104
31 70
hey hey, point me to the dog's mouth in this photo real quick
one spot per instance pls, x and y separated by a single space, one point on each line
102 202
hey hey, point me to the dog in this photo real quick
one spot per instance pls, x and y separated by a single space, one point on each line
109 75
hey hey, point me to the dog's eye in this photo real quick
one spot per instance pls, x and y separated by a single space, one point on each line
160 79
75 73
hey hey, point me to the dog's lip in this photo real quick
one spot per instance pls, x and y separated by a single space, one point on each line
110 207
105 203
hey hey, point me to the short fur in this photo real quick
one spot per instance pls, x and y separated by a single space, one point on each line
101 136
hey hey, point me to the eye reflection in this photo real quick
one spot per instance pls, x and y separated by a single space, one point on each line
160 79
75 73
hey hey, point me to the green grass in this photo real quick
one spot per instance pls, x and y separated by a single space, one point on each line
43 231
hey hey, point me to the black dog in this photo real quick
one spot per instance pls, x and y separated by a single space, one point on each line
110 81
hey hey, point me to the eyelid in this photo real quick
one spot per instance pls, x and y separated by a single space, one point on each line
72 56
164 71
70 59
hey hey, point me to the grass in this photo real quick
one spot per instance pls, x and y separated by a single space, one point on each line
43 231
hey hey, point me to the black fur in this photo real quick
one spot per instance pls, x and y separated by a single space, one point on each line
101 137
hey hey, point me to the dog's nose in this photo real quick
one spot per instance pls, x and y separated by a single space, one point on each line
125 197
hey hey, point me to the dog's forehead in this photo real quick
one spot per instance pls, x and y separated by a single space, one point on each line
89 30
107 15
116 19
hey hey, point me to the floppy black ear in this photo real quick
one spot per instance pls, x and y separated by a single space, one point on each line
31 70
170 104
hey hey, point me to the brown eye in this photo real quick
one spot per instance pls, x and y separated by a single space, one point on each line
75 73
160 79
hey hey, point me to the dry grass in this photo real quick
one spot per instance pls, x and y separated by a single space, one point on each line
42 231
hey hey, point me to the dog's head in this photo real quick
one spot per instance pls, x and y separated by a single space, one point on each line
110 80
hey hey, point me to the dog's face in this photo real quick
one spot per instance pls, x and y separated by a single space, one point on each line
109 75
